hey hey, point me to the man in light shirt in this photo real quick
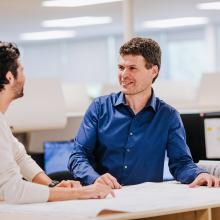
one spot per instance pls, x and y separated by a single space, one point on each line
14 161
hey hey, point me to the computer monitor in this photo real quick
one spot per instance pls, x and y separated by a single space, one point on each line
56 156
195 138
203 143
212 135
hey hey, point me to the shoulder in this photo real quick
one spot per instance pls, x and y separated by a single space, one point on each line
107 101
102 104
111 98
167 109
4 128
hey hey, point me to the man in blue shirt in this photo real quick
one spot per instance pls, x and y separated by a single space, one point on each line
123 137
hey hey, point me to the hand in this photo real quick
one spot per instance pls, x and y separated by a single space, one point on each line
109 180
95 191
69 184
205 179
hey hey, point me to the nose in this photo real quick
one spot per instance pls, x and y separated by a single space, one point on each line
124 72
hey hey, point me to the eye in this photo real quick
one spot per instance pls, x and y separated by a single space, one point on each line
133 68
120 67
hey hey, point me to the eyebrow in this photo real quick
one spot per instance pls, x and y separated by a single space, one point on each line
132 65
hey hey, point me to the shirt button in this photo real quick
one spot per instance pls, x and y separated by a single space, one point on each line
128 150
125 166
131 133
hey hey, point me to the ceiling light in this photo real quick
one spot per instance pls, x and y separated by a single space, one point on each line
75 3
47 35
175 22
209 6
76 22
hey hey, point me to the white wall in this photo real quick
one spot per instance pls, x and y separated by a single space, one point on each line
77 61
94 60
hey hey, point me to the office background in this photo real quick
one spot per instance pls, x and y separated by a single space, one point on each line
82 63
188 51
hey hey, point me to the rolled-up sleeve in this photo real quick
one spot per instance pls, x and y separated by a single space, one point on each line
81 161
181 164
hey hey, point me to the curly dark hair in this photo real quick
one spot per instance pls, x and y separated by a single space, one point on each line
147 48
9 54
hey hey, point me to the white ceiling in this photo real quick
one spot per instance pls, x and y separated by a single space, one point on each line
20 16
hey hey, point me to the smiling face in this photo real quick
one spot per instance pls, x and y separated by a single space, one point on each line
134 77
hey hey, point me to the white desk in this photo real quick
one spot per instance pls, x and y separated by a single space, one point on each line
155 201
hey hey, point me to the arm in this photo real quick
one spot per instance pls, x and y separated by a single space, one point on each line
16 190
13 188
95 191
32 172
42 178
28 167
80 161
181 164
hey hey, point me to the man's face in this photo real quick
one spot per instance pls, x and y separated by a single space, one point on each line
18 86
133 75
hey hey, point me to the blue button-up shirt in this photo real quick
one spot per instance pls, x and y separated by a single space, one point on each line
112 139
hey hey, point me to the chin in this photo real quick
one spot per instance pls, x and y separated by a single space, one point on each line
19 95
127 92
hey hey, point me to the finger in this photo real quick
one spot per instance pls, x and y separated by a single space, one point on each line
193 184
67 184
76 184
112 193
100 180
216 182
108 181
114 181
209 182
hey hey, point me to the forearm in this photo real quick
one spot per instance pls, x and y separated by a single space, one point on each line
79 162
187 172
42 178
94 191
88 176
62 194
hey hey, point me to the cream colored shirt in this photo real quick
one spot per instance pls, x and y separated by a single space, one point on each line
15 164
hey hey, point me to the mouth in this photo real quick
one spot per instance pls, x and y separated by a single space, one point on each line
126 84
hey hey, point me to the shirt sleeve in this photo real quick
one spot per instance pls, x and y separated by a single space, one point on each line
181 164
81 162
28 167
13 189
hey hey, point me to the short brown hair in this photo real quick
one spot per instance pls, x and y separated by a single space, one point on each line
147 48
9 55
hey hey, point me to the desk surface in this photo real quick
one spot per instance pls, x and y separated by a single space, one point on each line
149 200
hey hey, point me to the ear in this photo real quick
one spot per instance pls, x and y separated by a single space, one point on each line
10 77
155 71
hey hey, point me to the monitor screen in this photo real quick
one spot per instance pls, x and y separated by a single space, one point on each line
56 156
212 135
203 135
195 138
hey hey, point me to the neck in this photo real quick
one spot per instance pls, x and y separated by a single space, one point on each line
138 101
5 101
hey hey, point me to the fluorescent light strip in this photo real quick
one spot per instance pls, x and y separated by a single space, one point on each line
77 22
47 35
175 22
209 6
75 3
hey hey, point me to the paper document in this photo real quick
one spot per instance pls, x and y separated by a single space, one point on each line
146 197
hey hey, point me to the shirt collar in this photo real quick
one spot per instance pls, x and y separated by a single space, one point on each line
120 100
152 101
